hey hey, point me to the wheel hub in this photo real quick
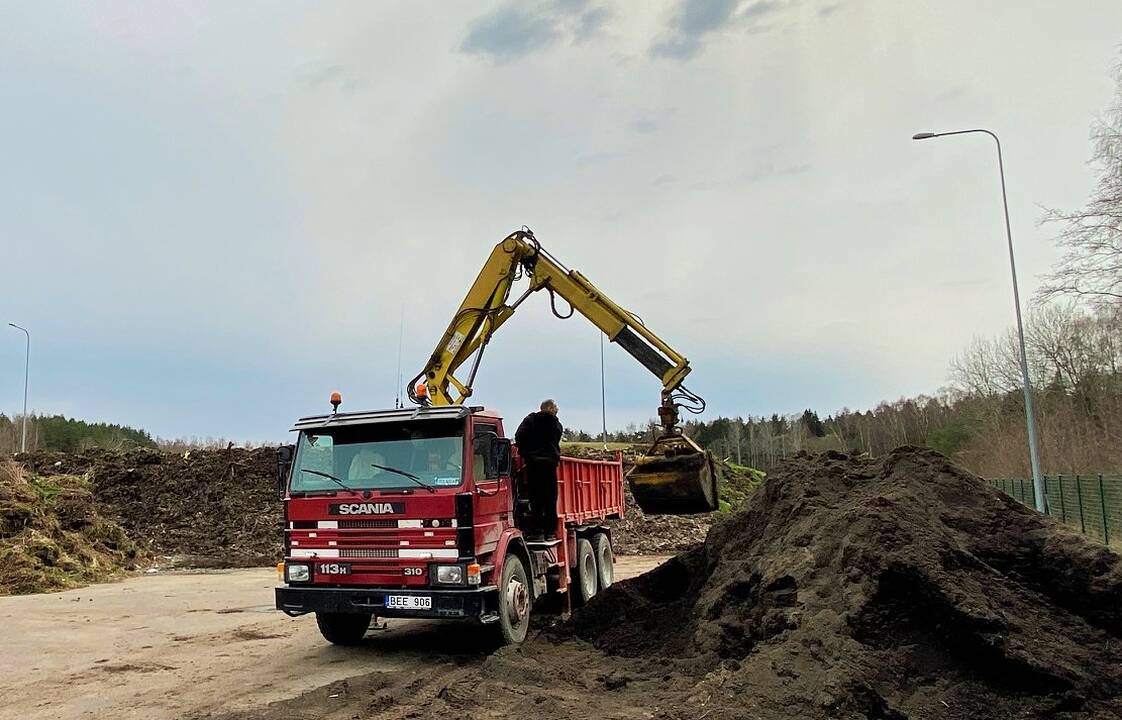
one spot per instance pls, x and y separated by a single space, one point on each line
517 599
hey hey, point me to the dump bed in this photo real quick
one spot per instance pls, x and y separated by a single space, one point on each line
590 490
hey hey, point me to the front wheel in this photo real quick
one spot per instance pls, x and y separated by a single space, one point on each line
343 628
514 601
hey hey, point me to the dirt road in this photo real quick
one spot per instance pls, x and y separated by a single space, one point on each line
166 646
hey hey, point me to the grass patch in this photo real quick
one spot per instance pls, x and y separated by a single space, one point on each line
736 483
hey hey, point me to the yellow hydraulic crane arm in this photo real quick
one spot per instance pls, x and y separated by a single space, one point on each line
485 308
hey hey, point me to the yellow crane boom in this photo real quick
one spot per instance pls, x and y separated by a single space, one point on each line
658 483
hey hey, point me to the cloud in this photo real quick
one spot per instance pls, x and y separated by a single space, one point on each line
591 24
697 19
759 9
757 172
508 33
596 158
335 76
516 30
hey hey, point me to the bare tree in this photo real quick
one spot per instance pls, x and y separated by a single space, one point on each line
732 437
1091 237
988 366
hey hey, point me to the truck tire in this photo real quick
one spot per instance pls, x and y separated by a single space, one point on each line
605 560
515 599
343 628
585 581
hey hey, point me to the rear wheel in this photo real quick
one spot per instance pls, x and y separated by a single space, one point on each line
514 601
343 628
605 561
584 575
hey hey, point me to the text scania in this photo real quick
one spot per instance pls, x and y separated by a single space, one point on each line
375 508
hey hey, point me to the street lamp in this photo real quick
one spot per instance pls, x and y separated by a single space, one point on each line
1030 417
26 370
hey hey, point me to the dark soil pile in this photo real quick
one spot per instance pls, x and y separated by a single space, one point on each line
205 508
896 588
52 537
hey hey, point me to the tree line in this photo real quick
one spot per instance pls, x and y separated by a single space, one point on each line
63 434
1075 356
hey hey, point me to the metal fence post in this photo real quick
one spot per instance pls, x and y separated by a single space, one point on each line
1079 496
1102 506
1063 512
1047 497
1021 487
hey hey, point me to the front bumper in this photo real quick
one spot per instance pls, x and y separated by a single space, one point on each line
458 603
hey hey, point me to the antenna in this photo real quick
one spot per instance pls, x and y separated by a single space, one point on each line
400 342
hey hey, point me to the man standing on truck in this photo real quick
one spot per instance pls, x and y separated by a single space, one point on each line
539 444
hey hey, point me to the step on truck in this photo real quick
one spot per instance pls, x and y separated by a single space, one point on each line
419 513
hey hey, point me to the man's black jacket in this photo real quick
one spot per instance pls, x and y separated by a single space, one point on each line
539 437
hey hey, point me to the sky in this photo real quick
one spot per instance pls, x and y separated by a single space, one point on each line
214 214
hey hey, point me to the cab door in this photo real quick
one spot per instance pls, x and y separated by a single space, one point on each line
493 502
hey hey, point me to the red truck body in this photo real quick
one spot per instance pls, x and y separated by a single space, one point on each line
390 551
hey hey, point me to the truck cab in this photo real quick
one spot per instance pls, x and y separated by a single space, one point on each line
418 513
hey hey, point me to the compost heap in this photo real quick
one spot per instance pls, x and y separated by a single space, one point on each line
52 536
847 588
203 508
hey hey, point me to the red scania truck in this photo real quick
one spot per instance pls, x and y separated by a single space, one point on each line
417 513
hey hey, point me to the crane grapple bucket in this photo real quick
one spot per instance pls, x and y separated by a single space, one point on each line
674 477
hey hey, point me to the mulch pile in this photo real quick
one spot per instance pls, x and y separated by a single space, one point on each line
848 588
52 536
219 508
207 508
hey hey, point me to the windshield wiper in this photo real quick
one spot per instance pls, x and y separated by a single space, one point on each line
409 475
329 476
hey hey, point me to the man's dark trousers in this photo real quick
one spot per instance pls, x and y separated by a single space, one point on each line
542 479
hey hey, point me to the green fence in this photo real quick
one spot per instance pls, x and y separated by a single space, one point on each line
1090 503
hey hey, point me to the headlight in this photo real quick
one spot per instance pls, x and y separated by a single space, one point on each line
450 574
297 572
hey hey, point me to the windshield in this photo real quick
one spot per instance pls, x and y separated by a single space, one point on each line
433 450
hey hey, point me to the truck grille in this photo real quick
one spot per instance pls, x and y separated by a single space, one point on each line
367 524
367 553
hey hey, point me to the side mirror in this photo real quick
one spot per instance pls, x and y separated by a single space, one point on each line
284 462
501 456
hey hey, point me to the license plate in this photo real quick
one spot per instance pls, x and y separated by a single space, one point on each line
333 569
408 602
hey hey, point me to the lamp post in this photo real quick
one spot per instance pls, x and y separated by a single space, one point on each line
1030 416
26 371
